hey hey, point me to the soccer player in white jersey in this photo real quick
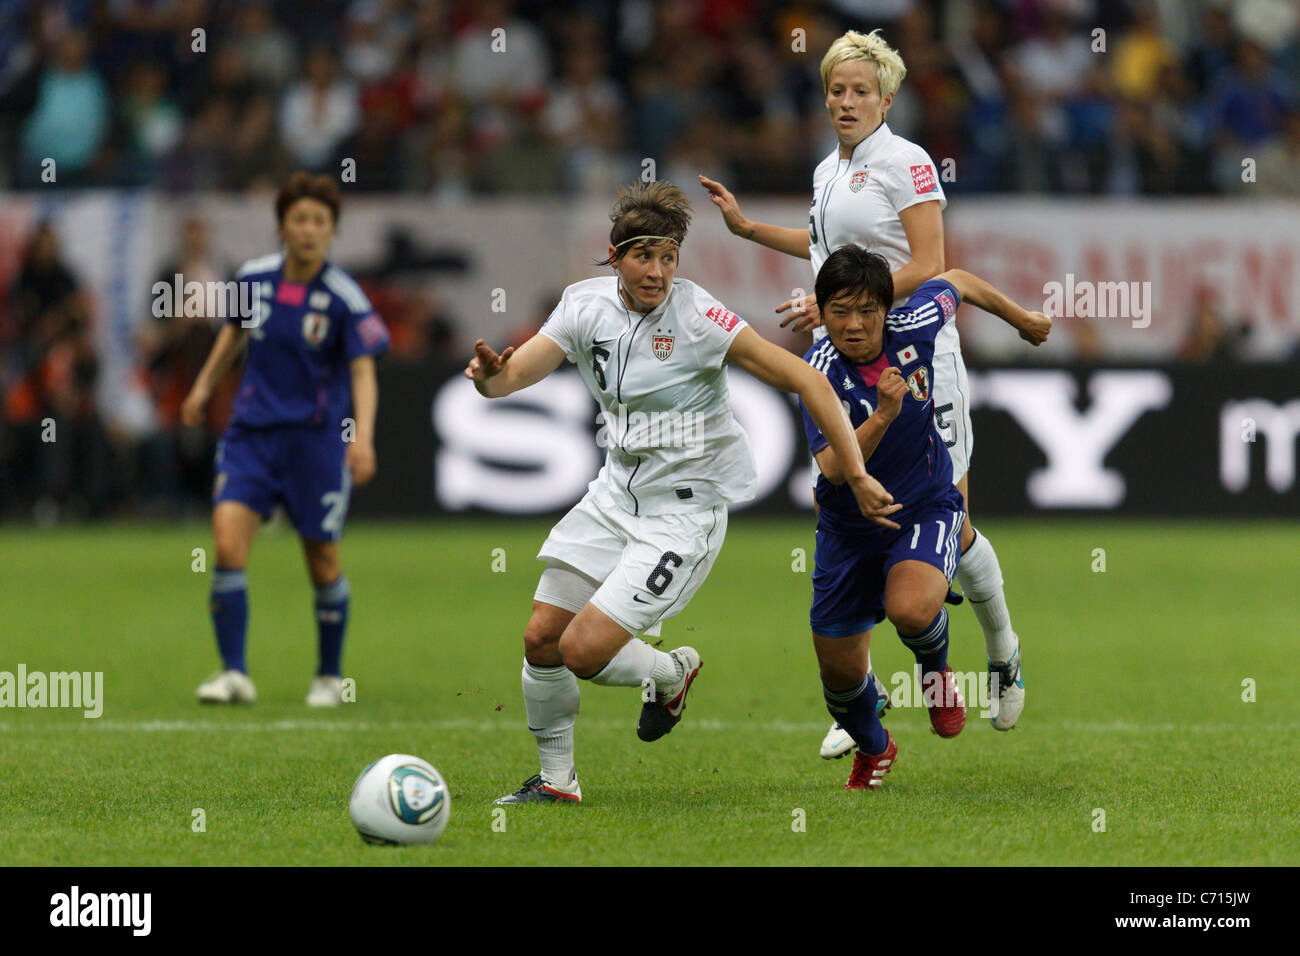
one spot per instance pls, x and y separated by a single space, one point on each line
652 350
882 192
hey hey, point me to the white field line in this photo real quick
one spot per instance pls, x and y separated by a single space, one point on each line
723 726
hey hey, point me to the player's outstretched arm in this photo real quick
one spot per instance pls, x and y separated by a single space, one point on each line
1032 326
496 376
793 242
775 366
230 340
360 454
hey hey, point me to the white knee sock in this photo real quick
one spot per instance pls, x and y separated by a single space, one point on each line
551 703
636 663
981 583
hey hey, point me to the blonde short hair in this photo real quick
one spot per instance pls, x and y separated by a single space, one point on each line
872 48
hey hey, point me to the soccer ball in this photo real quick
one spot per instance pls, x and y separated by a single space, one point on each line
400 799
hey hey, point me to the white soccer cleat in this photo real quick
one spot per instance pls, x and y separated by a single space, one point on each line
227 687
1005 707
326 691
837 743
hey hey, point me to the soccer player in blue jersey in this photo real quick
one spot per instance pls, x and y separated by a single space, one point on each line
881 363
302 430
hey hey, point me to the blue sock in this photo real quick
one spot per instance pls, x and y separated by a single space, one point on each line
229 606
855 711
930 647
331 622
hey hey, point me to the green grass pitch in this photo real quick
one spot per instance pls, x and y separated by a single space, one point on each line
1134 678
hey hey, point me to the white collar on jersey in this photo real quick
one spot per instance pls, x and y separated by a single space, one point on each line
881 134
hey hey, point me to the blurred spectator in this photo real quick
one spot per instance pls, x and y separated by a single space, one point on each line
1211 52
70 118
1141 55
56 443
582 118
319 112
1278 167
152 122
267 51
1250 98
177 462
1208 339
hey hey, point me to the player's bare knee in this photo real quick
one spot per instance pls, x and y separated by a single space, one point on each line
579 652
323 564
542 644
542 634
911 617
232 550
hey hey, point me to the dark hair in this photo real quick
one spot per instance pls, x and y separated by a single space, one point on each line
306 186
647 209
853 270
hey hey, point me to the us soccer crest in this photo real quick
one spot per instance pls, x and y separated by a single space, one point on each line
858 180
315 327
662 346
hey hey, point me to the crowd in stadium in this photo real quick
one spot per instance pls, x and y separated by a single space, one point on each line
1023 94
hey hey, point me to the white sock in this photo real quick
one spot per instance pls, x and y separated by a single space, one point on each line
636 663
551 702
981 583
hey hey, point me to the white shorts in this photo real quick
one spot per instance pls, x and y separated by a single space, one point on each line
641 570
952 410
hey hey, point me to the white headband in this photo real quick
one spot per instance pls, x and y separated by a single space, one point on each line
636 238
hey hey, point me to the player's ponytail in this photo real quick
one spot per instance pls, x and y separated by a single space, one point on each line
645 213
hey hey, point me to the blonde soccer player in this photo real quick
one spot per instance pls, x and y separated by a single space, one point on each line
882 192
652 349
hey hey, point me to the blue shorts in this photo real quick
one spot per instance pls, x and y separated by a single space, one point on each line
850 573
302 468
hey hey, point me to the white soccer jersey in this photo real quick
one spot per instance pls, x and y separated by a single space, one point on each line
673 443
857 200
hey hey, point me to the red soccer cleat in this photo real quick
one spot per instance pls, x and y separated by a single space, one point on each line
869 769
945 704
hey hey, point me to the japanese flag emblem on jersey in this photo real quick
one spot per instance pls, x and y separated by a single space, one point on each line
907 355
662 346
315 327
319 299
923 180
858 180
919 384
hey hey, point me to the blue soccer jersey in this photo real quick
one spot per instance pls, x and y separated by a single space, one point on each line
911 461
301 340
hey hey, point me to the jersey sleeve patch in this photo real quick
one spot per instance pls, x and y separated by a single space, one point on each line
924 180
946 303
724 319
371 331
